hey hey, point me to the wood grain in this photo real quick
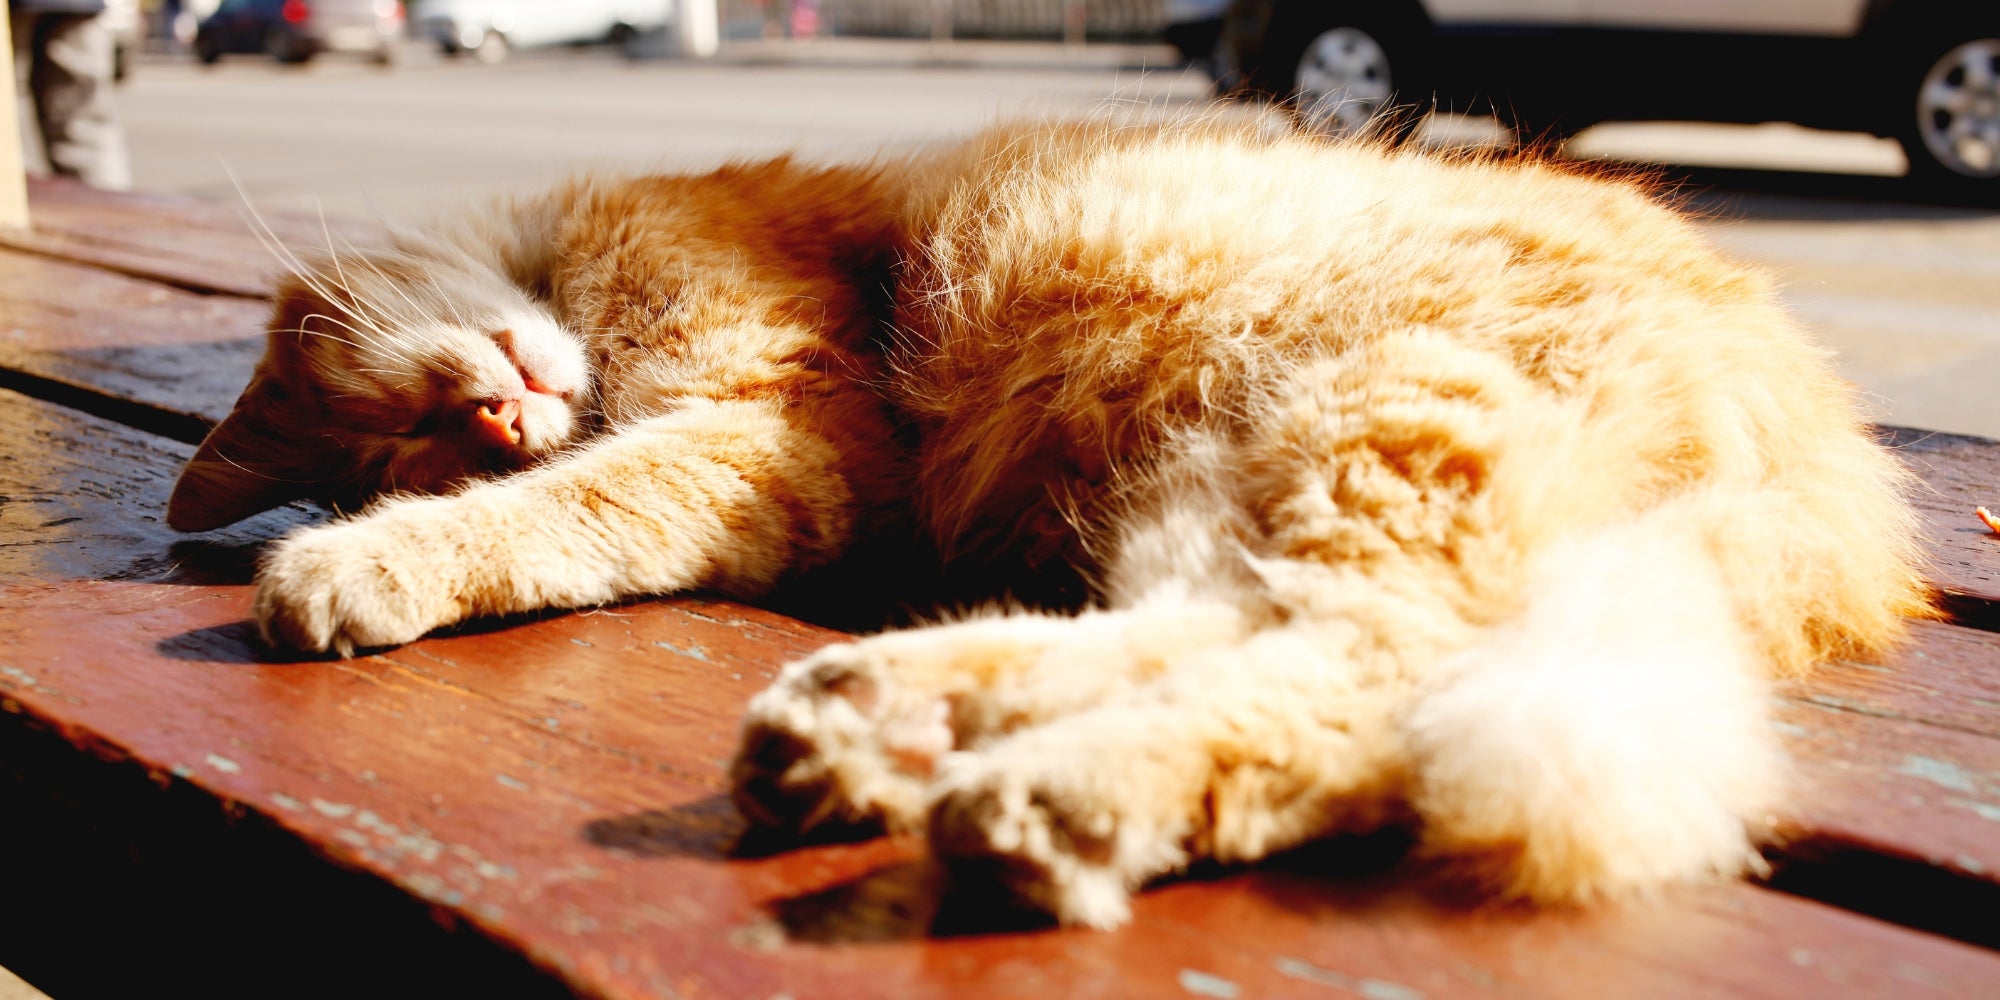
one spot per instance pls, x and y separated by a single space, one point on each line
106 338
1959 474
1905 757
83 498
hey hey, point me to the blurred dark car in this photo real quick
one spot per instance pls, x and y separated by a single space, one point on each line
1925 72
294 31
1193 26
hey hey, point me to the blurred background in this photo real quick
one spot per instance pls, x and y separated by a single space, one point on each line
1853 146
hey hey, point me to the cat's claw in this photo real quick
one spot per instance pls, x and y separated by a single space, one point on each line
1048 826
349 586
837 740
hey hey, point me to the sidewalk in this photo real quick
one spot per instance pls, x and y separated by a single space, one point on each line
979 53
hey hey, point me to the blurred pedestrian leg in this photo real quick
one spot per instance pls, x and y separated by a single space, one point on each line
65 52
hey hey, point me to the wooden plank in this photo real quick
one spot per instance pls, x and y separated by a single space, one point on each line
1905 757
84 499
196 243
558 786
1959 473
84 331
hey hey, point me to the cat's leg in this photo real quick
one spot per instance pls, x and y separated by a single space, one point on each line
1612 738
855 732
722 494
1234 754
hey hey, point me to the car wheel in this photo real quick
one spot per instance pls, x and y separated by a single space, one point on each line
492 48
1951 123
1349 71
286 47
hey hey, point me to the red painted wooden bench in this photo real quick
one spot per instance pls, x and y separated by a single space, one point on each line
539 807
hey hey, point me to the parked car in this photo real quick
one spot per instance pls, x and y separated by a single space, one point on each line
294 31
489 29
1925 72
1193 26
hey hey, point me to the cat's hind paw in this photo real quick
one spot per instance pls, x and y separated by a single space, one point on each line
1060 829
837 740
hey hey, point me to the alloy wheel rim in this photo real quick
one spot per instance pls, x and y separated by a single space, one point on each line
1958 109
1343 80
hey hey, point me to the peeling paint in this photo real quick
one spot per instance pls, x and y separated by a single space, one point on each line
1912 972
1209 986
19 675
512 782
1373 989
1801 957
1968 864
332 810
1938 772
283 801
692 650
224 764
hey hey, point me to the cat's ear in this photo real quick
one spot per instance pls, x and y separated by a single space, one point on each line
256 459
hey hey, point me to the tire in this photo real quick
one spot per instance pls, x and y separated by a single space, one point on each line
206 50
1353 69
1948 114
286 47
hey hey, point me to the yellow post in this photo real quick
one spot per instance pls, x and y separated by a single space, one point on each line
13 174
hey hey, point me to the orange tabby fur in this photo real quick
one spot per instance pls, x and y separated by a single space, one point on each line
1479 496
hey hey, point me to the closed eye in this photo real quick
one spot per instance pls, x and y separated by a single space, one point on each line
423 426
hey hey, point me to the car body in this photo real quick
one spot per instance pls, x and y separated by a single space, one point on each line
489 29
1926 72
297 30
1192 26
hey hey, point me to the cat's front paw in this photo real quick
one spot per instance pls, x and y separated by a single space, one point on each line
370 582
1061 824
837 738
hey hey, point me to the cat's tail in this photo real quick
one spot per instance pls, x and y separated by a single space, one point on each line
1612 737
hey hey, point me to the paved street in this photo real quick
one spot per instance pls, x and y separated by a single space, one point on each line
1906 294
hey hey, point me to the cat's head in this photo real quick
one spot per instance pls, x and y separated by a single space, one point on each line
409 370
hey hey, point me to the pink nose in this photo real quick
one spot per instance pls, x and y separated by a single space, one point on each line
498 421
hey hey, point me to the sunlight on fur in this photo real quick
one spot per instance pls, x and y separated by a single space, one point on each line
1459 492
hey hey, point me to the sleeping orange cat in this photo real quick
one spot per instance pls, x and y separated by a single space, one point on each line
1479 497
